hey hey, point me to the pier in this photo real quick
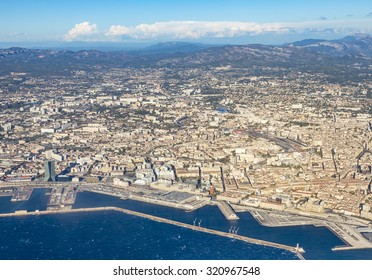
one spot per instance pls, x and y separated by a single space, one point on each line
227 211
296 250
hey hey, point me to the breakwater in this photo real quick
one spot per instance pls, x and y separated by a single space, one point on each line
295 250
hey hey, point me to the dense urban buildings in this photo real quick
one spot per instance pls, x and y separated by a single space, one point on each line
187 129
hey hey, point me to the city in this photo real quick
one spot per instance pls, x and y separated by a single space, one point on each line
222 131
271 138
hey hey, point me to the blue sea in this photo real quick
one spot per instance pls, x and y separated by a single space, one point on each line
114 235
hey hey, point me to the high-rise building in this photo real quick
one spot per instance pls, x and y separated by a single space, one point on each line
7 127
49 171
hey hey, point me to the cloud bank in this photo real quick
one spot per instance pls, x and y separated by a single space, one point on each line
193 30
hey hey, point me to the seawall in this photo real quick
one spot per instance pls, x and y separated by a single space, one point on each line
295 250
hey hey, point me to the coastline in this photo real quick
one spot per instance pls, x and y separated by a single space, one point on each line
264 217
347 232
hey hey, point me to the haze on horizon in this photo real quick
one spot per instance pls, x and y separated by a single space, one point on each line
65 23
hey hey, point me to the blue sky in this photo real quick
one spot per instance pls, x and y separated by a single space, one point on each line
236 21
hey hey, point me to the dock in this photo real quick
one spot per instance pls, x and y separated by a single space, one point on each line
351 236
350 233
297 250
22 194
227 210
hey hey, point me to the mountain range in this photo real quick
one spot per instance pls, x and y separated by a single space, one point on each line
356 48
359 44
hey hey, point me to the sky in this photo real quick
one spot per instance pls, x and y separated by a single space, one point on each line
205 21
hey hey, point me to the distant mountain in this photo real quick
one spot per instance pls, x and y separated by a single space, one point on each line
13 51
306 42
242 56
306 53
32 53
173 47
359 44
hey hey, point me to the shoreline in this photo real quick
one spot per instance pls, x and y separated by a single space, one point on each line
347 231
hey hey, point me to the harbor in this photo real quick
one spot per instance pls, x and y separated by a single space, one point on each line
297 250
353 233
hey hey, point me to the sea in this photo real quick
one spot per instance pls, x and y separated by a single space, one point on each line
109 235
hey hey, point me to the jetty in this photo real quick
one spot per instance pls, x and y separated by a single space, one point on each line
297 250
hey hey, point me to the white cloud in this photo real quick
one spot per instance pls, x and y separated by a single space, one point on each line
220 29
81 31
118 30
195 29
176 30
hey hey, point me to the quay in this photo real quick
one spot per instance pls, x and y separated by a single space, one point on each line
349 232
22 194
227 210
297 250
